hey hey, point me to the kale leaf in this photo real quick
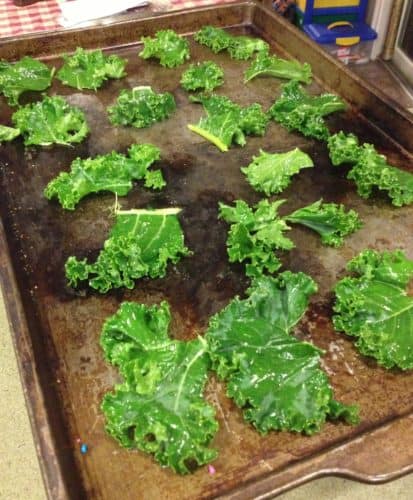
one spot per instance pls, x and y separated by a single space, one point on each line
244 47
50 121
89 69
170 48
111 172
159 407
254 235
203 75
8 133
329 220
272 376
271 173
215 39
227 122
141 107
296 110
371 169
267 65
141 243
376 309
239 47
22 76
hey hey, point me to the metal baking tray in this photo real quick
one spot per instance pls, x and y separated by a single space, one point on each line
56 329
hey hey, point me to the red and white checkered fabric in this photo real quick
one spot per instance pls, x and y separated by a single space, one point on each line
39 16
44 15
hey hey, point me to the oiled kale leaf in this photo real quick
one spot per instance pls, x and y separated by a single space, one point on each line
203 75
170 48
239 47
331 221
159 408
297 110
141 107
51 121
141 243
271 172
267 65
375 307
89 69
111 172
227 123
272 376
255 234
28 74
371 169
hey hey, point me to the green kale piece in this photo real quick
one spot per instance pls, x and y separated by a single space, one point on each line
215 39
227 122
159 407
141 107
90 69
329 220
376 309
239 47
271 173
267 65
296 110
22 76
371 169
273 377
111 172
244 47
8 133
203 75
141 243
51 121
343 148
254 235
167 46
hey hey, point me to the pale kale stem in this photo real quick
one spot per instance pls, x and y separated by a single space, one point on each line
143 211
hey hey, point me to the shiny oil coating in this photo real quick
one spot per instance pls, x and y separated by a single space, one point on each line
65 324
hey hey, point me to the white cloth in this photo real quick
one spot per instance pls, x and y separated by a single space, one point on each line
82 11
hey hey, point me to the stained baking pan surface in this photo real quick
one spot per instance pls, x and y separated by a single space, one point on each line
56 329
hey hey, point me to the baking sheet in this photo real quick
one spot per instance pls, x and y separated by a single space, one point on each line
57 329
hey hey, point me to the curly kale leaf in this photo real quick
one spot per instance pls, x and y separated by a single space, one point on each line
371 169
203 75
343 148
90 69
51 121
272 376
8 133
227 122
254 235
271 173
141 107
28 74
296 110
267 65
329 220
244 47
376 309
167 46
159 408
239 47
112 172
215 39
141 243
